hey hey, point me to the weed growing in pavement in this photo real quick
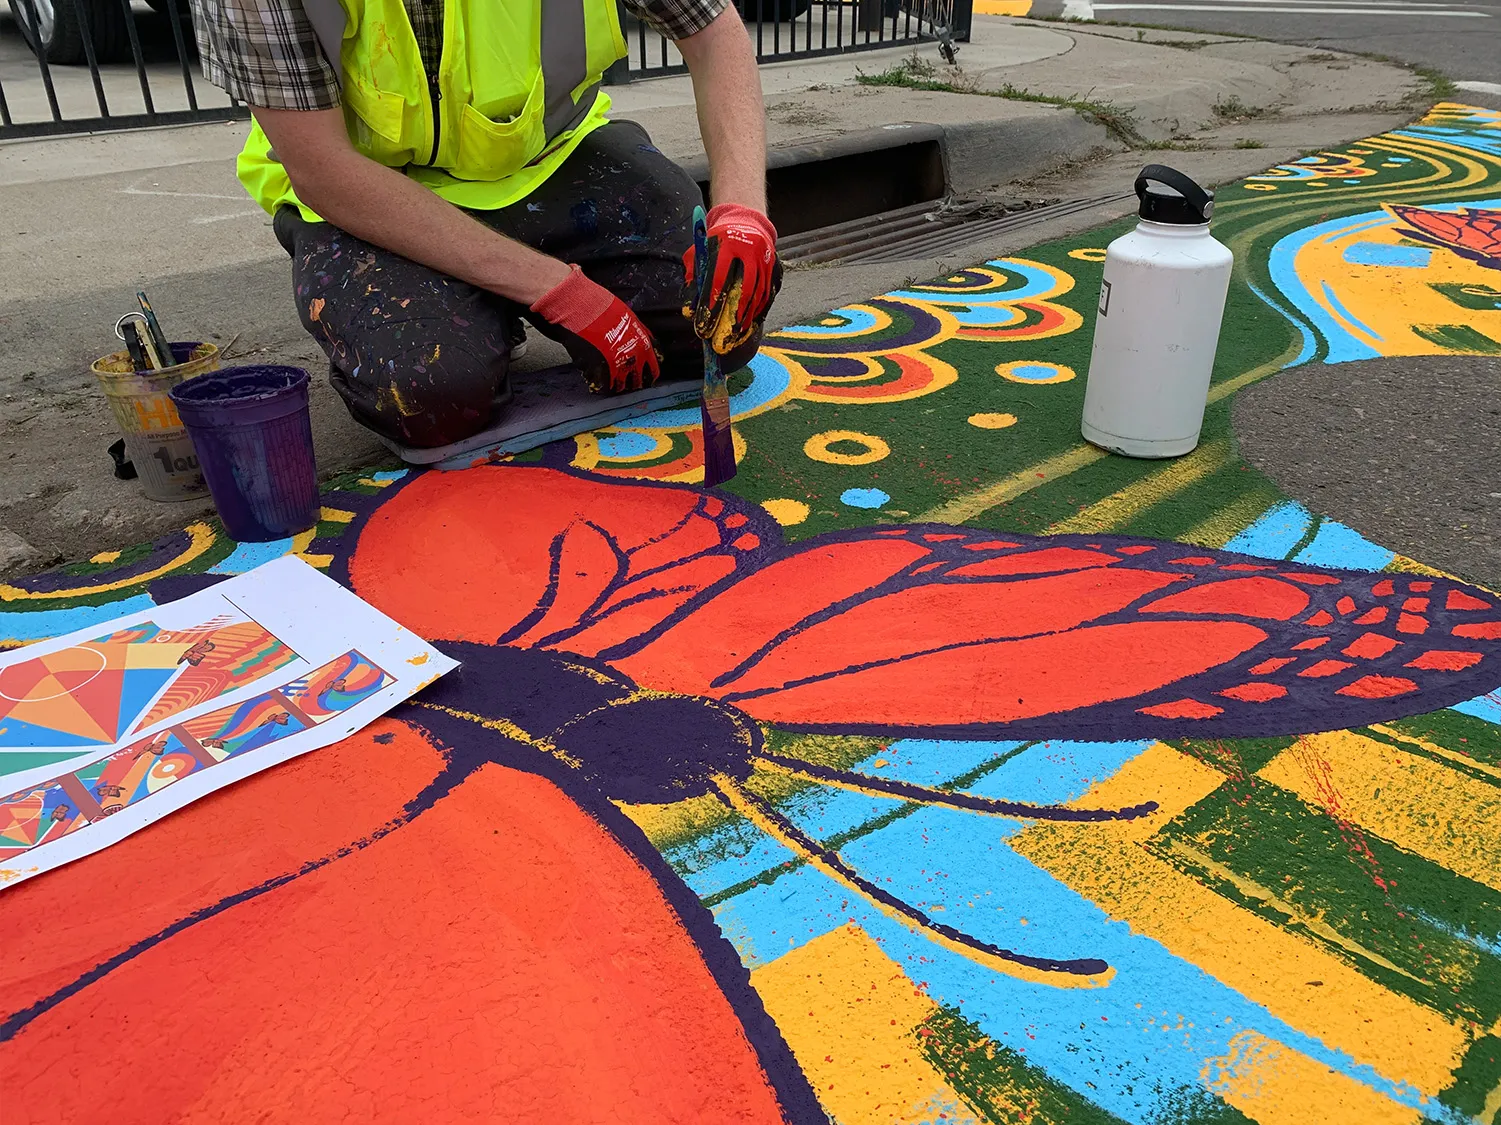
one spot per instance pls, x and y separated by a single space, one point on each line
1237 110
1247 142
919 74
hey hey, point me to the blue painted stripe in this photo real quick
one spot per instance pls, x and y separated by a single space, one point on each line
1277 532
1487 707
1340 546
20 626
248 556
1310 341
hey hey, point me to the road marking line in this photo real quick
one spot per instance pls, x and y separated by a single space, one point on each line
1481 88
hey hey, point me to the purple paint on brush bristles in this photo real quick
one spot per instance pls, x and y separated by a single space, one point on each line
714 404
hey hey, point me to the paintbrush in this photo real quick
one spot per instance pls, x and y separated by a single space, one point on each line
158 337
714 405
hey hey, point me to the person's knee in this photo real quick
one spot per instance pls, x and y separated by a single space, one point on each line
429 394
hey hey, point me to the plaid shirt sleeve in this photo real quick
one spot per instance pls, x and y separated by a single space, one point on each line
264 53
677 19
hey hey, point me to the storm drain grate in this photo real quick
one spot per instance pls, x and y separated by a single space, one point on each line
923 230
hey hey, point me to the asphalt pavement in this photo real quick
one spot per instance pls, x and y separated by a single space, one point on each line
1460 38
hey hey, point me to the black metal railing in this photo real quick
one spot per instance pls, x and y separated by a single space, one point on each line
784 30
71 66
79 66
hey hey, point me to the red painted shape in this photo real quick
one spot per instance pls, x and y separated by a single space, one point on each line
1411 623
1372 616
1311 643
203 854
1246 566
652 597
1267 667
747 542
586 567
1346 606
938 537
1135 549
449 971
1255 692
1182 709
1368 646
1384 588
1325 668
489 533
1421 587
1444 660
990 545
1416 605
1042 561
1194 560
738 519
926 567
1484 631
741 619
1015 679
901 623
1311 579
1266 598
1458 599
1378 687
1322 617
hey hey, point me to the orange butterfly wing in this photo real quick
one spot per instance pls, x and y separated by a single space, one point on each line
498 956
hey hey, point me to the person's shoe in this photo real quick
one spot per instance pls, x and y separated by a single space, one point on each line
516 336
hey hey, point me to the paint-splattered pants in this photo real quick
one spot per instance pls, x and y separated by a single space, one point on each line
424 358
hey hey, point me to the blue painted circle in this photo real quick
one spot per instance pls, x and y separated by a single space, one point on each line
1033 371
864 497
627 443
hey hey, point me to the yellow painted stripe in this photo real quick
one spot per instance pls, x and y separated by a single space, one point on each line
975 503
1414 802
1224 525
1438 751
1002 7
1120 508
335 515
1275 1085
1295 979
850 1014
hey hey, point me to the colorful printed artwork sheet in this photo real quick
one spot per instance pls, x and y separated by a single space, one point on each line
939 768
201 693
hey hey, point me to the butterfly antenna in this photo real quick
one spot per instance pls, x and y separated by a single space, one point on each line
969 802
1083 972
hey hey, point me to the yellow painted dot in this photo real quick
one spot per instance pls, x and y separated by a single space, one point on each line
817 447
1087 254
1261 187
1034 372
1318 183
992 421
786 512
831 321
105 557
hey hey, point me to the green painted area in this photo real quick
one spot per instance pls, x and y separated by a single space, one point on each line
1458 338
1456 731
1238 758
1404 921
1479 297
1477 1082
1000 1083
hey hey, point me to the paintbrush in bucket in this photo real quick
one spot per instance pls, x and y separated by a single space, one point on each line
714 404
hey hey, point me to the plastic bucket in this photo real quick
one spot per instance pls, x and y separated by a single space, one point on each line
254 438
155 439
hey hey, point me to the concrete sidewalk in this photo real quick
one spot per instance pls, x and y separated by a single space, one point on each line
90 219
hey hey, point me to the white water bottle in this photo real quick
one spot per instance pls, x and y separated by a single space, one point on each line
1161 302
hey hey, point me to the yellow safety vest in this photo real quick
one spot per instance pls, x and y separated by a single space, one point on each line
517 89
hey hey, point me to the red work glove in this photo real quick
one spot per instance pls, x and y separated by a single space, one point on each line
628 356
743 276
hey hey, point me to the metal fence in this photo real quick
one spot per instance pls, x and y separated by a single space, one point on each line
76 66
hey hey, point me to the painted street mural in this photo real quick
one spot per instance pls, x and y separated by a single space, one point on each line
941 768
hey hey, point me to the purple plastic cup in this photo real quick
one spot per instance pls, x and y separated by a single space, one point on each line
254 438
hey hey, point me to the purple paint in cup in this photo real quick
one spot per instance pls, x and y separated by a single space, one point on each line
254 438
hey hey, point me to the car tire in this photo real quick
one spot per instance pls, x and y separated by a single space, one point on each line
56 24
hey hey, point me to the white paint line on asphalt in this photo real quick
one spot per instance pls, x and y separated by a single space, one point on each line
201 219
1290 11
1078 10
1480 87
179 194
